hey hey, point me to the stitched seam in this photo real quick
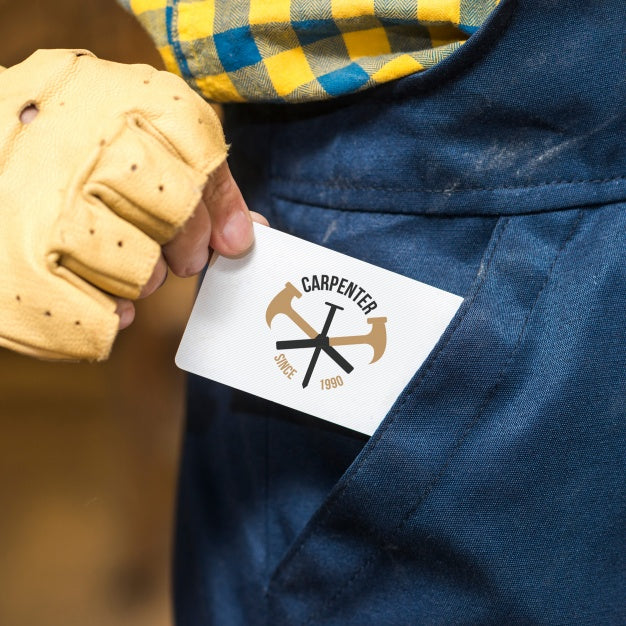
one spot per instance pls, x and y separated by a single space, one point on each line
449 190
428 489
449 214
160 221
137 122
266 511
325 511
171 23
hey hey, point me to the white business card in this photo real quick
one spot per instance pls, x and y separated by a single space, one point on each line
313 329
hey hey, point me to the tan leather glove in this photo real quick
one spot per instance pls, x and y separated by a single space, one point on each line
112 165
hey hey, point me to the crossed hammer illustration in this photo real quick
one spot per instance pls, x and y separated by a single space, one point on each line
283 304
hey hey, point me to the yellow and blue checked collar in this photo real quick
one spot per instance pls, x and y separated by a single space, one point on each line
303 50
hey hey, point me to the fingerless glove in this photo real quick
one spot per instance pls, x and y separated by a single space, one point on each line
110 168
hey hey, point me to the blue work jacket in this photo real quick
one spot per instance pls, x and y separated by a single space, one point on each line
494 490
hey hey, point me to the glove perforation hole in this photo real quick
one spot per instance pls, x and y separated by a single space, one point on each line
146 82
92 231
18 298
28 112
176 97
161 187
48 313
77 323
120 243
133 167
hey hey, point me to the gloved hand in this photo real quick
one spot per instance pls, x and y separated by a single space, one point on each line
111 166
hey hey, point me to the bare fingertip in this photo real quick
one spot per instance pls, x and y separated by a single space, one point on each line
258 218
126 312
188 267
237 233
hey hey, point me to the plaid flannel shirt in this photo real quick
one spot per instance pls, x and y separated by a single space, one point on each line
302 50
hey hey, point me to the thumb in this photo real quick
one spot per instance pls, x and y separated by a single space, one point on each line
231 222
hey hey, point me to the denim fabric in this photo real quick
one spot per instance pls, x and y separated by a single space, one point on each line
493 492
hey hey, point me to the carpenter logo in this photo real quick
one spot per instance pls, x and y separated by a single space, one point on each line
312 337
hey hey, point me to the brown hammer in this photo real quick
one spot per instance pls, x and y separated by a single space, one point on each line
377 337
282 304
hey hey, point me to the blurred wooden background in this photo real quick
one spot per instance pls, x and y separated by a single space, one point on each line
88 453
